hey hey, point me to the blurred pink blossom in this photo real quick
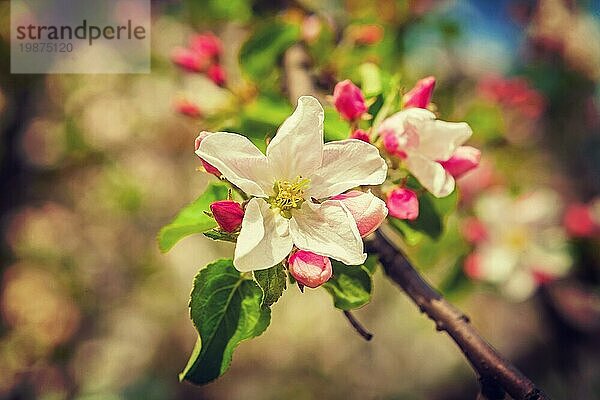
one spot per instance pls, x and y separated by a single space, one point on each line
361 135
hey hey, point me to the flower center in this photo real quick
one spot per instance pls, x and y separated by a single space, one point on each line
289 194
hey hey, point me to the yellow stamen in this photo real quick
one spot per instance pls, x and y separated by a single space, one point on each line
289 194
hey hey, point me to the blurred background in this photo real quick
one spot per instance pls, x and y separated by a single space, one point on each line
93 165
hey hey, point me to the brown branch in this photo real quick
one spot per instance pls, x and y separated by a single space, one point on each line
362 331
495 373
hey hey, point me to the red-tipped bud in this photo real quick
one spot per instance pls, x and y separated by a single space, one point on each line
579 221
349 100
206 45
368 210
216 73
186 107
403 203
361 135
310 269
189 60
228 214
464 159
209 168
420 95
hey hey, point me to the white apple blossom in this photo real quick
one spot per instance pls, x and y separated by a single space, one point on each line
524 243
422 141
290 187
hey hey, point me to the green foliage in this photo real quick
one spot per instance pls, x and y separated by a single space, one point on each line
432 214
216 234
192 218
226 308
272 282
351 285
335 128
211 10
370 78
260 54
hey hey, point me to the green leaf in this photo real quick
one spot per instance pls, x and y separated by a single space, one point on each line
225 307
334 127
260 54
192 219
370 77
216 234
272 282
350 286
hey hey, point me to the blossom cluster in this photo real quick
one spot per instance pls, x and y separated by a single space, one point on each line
202 55
303 202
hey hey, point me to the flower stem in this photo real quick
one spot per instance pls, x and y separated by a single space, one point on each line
362 331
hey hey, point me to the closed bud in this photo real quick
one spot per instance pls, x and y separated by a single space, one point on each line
420 95
228 214
464 159
209 168
360 135
368 211
403 203
206 45
579 221
189 60
349 100
310 269
216 73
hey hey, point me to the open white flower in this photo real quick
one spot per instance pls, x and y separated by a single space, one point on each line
297 170
423 142
524 244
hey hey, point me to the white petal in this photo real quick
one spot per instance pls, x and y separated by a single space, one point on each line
439 139
297 147
240 161
328 229
431 175
412 115
264 240
347 164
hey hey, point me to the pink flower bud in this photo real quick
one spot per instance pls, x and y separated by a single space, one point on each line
464 159
403 204
360 135
188 60
216 73
474 230
349 100
228 214
472 266
206 45
187 108
368 210
310 269
420 95
579 221
209 168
